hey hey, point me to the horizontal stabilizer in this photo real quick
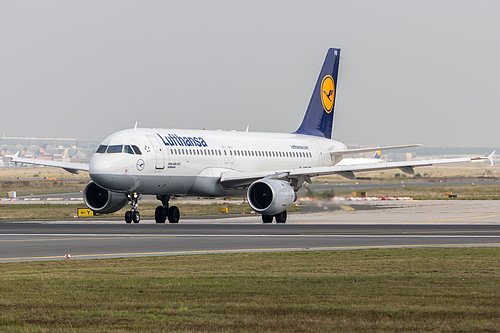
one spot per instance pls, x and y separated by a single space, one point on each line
367 150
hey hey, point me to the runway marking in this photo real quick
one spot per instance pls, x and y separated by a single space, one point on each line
422 234
251 250
402 221
406 233
461 219
107 237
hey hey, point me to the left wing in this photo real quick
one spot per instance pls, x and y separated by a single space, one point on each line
238 179
73 167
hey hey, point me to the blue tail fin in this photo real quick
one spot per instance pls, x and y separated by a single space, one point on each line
318 120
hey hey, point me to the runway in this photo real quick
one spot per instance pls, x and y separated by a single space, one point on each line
391 225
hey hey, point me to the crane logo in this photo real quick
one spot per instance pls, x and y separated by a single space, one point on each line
327 93
140 165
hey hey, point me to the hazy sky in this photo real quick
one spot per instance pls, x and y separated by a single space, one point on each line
411 71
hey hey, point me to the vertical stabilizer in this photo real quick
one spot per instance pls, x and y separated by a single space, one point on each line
318 120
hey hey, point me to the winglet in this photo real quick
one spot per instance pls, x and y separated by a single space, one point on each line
490 158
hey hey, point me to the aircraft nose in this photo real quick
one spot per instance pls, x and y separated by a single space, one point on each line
101 171
99 165
107 173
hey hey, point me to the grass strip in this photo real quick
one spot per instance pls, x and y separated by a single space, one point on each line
396 290
147 210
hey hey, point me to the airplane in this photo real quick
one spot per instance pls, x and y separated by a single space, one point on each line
41 150
267 168
362 160
23 152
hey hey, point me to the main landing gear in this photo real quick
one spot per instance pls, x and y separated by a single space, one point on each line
163 212
133 213
280 217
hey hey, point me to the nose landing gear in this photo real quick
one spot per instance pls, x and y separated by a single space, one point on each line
163 212
133 213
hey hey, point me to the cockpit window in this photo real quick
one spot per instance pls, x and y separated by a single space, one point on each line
127 149
101 149
137 150
114 149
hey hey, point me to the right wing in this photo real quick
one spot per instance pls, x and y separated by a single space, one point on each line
238 179
73 167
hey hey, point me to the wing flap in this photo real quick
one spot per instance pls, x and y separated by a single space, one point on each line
406 166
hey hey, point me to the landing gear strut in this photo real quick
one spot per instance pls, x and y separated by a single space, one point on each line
133 214
163 212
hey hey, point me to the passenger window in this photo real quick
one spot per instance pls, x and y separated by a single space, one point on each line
101 149
136 150
128 150
114 149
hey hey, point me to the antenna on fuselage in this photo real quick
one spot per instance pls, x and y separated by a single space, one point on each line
135 126
248 126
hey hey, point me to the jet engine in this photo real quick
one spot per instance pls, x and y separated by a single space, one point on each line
103 201
270 196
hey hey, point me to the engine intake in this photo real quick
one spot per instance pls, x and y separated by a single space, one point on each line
103 201
270 196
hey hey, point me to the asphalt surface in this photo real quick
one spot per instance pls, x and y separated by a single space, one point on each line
353 226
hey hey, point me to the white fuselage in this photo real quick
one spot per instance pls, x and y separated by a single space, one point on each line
190 162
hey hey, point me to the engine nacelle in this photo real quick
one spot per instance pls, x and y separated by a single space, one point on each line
270 196
103 201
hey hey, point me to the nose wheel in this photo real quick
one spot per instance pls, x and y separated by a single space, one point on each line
133 214
164 212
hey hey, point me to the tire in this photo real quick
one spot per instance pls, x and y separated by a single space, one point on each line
267 218
160 214
136 217
173 214
128 217
281 217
